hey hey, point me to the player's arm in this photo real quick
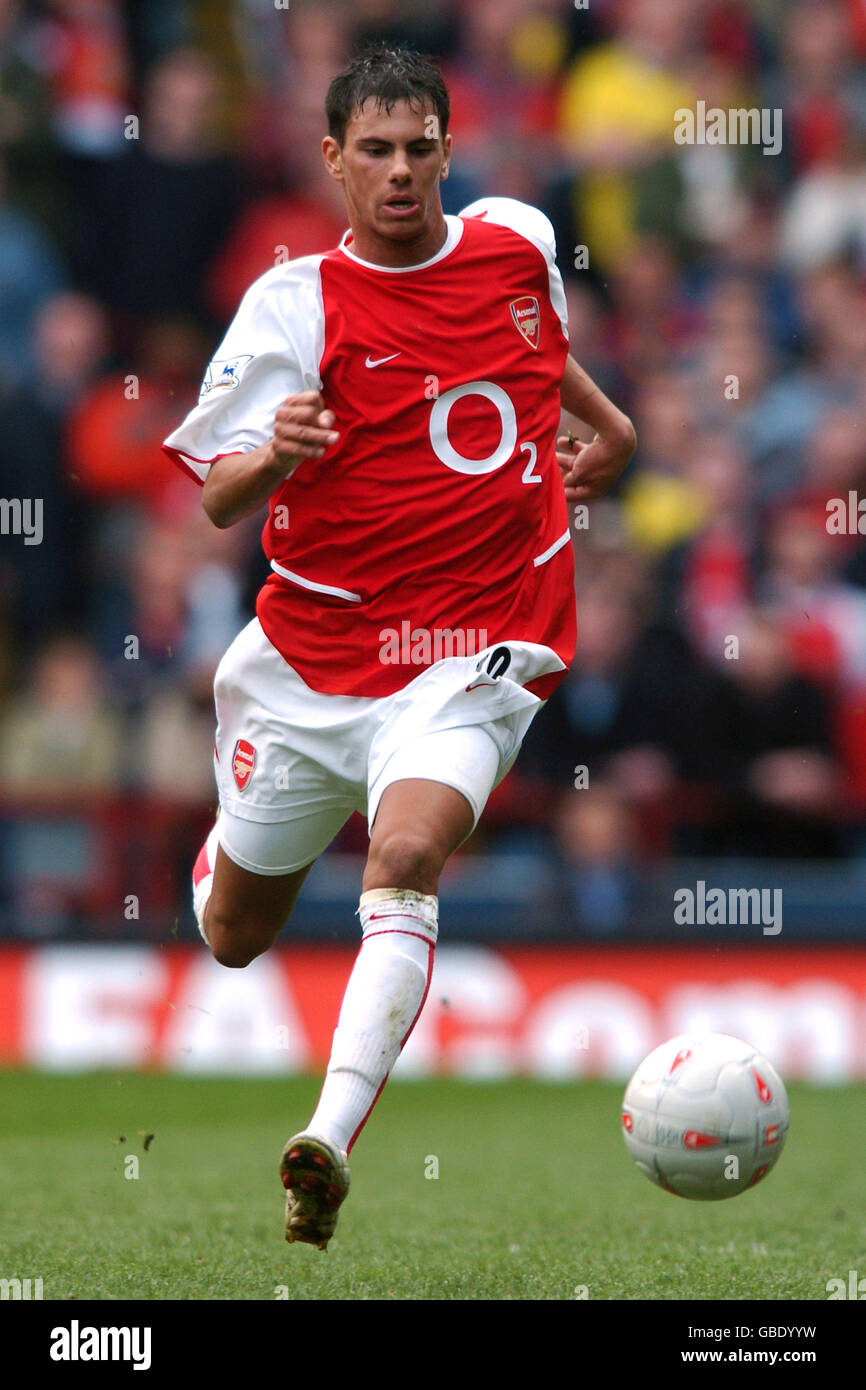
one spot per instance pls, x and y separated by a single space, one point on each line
239 484
589 470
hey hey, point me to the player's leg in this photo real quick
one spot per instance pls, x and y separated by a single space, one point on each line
417 823
247 878
246 912
286 763
280 803
241 908
248 875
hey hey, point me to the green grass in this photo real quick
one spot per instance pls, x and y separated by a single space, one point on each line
535 1197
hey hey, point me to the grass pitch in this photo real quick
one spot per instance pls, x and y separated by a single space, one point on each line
535 1198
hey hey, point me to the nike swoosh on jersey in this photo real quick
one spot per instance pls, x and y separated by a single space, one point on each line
379 360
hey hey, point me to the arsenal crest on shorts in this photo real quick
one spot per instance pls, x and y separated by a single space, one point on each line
526 315
243 762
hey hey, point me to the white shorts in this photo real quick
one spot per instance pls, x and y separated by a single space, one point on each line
292 764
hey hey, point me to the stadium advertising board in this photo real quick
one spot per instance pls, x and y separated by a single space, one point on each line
554 1013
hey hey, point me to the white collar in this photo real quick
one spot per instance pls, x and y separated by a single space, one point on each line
452 237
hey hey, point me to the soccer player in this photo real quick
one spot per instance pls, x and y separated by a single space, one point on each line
395 402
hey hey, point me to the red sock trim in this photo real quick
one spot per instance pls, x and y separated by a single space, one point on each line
397 931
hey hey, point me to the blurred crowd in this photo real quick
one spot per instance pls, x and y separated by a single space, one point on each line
157 155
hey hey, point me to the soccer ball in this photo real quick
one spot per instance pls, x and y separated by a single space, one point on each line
705 1116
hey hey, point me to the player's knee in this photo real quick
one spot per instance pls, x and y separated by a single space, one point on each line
234 954
233 944
405 859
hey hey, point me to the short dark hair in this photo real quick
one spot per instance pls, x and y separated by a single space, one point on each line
386 75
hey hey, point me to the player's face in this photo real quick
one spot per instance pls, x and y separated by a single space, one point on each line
390 166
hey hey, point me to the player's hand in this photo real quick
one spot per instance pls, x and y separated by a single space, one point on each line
303 429
589 470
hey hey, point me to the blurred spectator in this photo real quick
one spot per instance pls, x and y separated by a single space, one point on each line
824 618
774 405
30 271
27 147
87 61
72 343
614 716
617 123
46 584
502 83
779 760
306 45
154 28
825 216
651 319
824 89
174 747
834 313
714 204
168 595
61 736
599 873
713 572
304 214
662 506
116 432
427 27
591 340
153 218
835 459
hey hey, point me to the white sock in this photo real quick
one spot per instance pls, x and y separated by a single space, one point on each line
202 877
383 999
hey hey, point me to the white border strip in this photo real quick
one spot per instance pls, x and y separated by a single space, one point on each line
549 552
320 588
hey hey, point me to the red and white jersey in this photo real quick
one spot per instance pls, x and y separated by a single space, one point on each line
441 509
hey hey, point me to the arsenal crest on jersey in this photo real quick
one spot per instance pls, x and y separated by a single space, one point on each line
526 316
243 762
